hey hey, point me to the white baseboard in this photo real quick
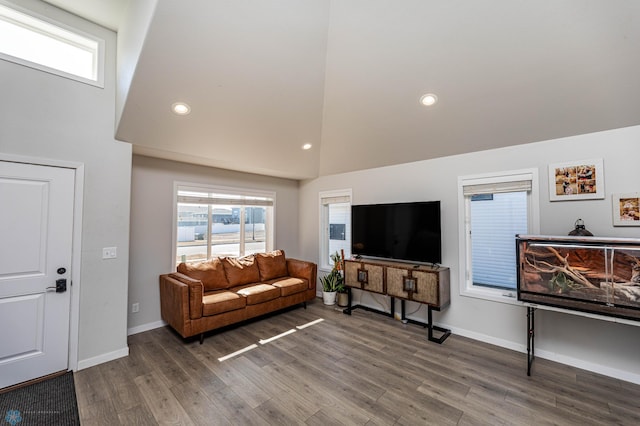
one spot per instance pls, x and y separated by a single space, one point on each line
486 339
548 355
539 353
589 366
90 362
145 327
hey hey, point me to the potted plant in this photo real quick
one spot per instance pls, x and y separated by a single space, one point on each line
333 283
330 284
342 297
336 258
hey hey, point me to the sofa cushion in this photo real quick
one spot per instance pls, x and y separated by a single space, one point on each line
272 265
258 293
221 301
289 285
241 270
210 272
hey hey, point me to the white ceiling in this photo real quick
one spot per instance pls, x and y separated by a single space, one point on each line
263 77
108 13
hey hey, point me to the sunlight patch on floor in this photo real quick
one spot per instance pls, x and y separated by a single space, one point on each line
236 353
309 324
270 339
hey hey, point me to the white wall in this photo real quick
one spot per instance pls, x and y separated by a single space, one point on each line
131 37
152 227
600 346
47 116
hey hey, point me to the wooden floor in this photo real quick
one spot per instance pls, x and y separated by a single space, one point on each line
363 369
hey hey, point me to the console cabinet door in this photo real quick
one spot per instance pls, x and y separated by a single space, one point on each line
351 274
365 276
419 285
395 282
426 288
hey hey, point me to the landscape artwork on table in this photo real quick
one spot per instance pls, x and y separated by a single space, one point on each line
576 180
626 209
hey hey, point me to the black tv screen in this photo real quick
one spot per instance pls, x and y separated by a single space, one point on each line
402 231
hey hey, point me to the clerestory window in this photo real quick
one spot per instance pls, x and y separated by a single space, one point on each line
46 45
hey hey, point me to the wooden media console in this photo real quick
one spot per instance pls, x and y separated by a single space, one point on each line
424 284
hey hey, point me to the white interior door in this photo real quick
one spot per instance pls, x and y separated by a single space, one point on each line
36 227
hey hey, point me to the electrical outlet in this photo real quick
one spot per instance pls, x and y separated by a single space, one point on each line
135 307
109 252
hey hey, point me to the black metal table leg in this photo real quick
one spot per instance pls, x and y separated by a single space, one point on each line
393 307
530 337
353 307
443 337
429 325
347 310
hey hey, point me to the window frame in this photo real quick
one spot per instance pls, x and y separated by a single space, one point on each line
31 22
467 288
232 191
324 262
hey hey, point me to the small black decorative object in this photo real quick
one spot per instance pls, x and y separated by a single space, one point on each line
580 230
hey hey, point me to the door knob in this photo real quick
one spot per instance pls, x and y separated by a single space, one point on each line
61 286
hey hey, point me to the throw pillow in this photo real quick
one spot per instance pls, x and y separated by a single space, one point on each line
272 265
241 270
210 272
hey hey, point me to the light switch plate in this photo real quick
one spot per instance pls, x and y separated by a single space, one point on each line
109 252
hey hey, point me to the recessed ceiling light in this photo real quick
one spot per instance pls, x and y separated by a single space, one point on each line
181 108
428 99
307 146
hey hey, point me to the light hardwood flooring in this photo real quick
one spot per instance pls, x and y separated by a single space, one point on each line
364 369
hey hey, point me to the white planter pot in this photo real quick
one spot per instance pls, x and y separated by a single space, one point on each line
329 297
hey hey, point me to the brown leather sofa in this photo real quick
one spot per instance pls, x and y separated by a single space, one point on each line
203 296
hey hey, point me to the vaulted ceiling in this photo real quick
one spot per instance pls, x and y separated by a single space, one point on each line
264 77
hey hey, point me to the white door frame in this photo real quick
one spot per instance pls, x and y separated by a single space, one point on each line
76 251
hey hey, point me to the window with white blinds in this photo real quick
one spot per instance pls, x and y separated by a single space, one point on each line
335 225
213 222
494 224
497 187
495 209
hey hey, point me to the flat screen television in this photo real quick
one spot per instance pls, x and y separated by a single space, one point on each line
401 231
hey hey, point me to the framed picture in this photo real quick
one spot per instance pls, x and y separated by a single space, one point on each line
363 276
626 209
576 180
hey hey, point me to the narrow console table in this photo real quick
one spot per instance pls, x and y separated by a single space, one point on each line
407 282
531 310
588 276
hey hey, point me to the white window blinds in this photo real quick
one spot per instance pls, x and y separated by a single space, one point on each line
221 199
497 188
326 200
